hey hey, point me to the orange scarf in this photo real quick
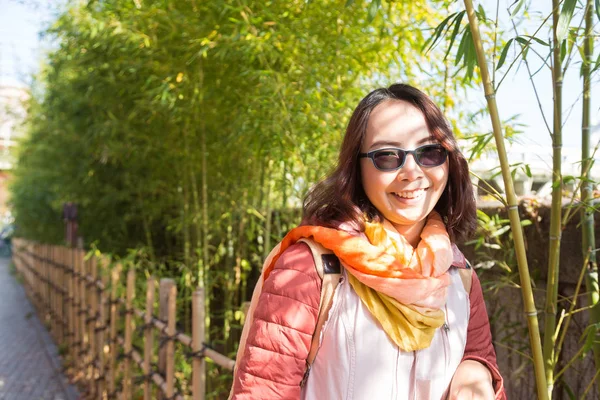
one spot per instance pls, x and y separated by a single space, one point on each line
403 288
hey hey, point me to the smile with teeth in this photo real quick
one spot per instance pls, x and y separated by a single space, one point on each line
410 194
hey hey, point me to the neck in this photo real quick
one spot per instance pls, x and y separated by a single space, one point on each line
412 233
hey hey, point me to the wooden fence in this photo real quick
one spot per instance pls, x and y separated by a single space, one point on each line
89 316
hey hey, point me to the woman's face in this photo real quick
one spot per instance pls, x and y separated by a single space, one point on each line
406 196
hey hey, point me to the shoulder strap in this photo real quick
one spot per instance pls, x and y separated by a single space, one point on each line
329 269
466 275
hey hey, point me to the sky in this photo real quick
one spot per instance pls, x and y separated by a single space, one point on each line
22 48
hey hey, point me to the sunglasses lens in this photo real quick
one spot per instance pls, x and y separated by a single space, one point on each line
388 159
431 156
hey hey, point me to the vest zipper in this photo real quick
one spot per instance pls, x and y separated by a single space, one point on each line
446 328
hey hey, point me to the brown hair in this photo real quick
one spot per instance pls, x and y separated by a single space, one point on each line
340 197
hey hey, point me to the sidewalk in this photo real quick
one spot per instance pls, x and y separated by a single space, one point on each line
29 364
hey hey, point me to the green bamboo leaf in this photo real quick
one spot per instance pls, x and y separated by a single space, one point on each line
503 54
565 19
598 9
517 8
373 9
540 41
597 63
437 32
501 231
563 51
349 3
461 47
569 391
590 337
470 57
522 40
455 31
481 12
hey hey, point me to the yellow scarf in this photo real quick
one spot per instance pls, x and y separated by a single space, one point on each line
404 288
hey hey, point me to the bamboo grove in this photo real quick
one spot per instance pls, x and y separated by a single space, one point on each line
188 132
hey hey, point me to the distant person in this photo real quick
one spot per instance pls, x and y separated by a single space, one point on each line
6 235
407 320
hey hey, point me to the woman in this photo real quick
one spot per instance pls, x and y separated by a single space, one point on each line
404 323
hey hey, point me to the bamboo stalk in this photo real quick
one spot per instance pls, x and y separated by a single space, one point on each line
170 344
198 364
513 210
204 268
556 210
148 337
587 214
130 293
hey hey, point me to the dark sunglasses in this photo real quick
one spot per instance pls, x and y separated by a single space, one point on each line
392 158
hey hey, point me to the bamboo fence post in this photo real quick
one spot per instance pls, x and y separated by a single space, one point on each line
45 282
71 304
163 314
39 282
513 209
34 283
51 291
60 282
149 336
47 289
170 353
92 321
48 295
103 303
76 308
112 355
198 335
54 286
82 313
32 277
126 395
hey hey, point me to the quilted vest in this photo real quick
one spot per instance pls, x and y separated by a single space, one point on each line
357 361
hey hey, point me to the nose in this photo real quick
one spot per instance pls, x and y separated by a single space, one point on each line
410 170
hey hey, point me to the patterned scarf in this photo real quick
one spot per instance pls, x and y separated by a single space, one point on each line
404 288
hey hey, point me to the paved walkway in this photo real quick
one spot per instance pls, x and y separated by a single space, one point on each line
29 364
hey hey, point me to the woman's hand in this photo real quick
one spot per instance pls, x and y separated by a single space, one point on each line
471 381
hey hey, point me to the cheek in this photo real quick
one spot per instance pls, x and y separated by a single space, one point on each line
374 183
440 180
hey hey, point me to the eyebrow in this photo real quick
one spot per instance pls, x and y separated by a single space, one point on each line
392 143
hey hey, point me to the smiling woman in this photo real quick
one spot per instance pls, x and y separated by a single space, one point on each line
407 318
